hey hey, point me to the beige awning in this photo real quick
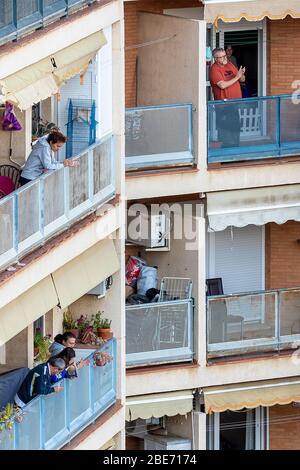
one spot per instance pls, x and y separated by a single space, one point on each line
42 79
232 12
257 206
28 307
252 394
159 404
85 272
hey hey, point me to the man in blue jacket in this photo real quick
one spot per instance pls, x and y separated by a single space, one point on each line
38 381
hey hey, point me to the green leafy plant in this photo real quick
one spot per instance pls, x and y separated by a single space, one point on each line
99 322
82 323
42 343
68 322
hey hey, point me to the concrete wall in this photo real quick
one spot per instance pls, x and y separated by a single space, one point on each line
131 10
284 427
21 140
16 352
168 71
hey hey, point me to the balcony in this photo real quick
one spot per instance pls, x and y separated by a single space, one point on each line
19 17
158 136
159 333
253 322
54 201
253 128
51 421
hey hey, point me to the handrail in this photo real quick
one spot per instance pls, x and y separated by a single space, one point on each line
51 421
23 20
29 216
258 292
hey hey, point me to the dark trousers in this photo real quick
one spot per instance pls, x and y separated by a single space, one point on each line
228 125
23 181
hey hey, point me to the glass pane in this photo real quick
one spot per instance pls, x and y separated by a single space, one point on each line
154 328
55 416
7 441
289 312
237 430
27 8
28 211
79 183
53 6
6 225
102 166
54 196
241 317
79 393
156 131
290 122
6 13
239 130
29 428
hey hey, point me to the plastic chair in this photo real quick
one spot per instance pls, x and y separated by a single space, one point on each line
11 172
7 185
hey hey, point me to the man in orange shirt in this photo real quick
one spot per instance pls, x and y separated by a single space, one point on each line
225 80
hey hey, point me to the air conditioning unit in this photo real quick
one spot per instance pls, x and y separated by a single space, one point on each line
153 442
152 231
99 290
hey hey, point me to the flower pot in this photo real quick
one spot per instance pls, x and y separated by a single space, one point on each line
105 333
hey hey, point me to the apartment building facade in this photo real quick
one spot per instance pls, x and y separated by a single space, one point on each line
227 377
62 234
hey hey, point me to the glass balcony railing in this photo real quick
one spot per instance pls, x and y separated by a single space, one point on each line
159 333
158 136
48 204
253 128
51 421
253 322
22 16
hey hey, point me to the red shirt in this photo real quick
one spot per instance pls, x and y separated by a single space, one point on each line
220 73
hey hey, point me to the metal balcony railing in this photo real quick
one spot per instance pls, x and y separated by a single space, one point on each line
253 128
253 322
158 136
50 203
51 421
159 333
18 17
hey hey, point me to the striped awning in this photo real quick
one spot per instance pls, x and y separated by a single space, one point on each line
157 405
42 79
234 11
257 206
251 394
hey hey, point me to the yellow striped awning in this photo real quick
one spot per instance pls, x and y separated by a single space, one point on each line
232 12
42 79
157 405
251 394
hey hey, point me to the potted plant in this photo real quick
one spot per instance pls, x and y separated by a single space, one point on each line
41 347
69 324
102 325
82 324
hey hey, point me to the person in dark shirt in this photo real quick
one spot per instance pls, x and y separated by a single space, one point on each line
38 381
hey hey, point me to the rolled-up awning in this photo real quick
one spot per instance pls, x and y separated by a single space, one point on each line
42 79
232 12
251 395
257 206
157 405
28 307
85 272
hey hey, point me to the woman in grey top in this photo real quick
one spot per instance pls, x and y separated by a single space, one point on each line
41 157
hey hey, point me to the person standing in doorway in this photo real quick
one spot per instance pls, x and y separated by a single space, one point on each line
231 58
225 80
